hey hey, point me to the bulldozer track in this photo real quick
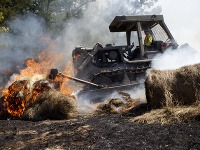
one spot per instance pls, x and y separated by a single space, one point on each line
123 71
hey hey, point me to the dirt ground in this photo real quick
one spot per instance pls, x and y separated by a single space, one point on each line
98 132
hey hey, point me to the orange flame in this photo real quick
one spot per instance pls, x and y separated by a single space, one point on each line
46 61
65 88
13 99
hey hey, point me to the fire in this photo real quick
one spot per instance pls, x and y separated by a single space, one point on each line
13 99
46 61
65 88
21 94
32 81
38 88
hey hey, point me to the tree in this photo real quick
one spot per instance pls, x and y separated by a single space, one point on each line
11 8
1 17
3 29
58 12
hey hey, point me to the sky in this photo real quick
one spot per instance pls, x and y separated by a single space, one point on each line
183 19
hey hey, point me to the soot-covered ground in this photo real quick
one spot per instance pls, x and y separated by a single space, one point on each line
98 132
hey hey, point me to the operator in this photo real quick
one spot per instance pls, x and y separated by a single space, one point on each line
148 38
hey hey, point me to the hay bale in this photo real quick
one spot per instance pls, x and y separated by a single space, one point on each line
51 105
173 87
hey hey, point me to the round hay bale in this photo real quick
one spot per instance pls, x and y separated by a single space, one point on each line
173 87
51 105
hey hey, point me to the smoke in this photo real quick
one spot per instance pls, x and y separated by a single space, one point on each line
94 26
26 33
26 38
176 58
21 43
87 104
138 92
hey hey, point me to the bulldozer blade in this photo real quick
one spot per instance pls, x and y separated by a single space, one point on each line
99 95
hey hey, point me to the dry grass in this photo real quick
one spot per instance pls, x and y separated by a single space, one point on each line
51 105
170 115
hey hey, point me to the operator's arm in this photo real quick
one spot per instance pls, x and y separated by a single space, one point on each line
148 40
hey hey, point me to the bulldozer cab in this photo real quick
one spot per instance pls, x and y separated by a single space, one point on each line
162 38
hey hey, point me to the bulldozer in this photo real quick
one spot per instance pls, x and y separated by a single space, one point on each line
106 68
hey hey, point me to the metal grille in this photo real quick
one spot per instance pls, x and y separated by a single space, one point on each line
159 34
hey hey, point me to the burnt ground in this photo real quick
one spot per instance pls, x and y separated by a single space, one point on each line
98 132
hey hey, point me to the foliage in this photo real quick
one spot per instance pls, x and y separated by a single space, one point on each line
1 17
57 12
11 8
3 29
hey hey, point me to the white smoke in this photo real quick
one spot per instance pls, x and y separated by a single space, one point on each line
94 26
21 43
176 58
138 93
26 32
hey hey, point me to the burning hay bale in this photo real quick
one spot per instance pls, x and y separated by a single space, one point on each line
14 98
36 100
51 105
173 87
